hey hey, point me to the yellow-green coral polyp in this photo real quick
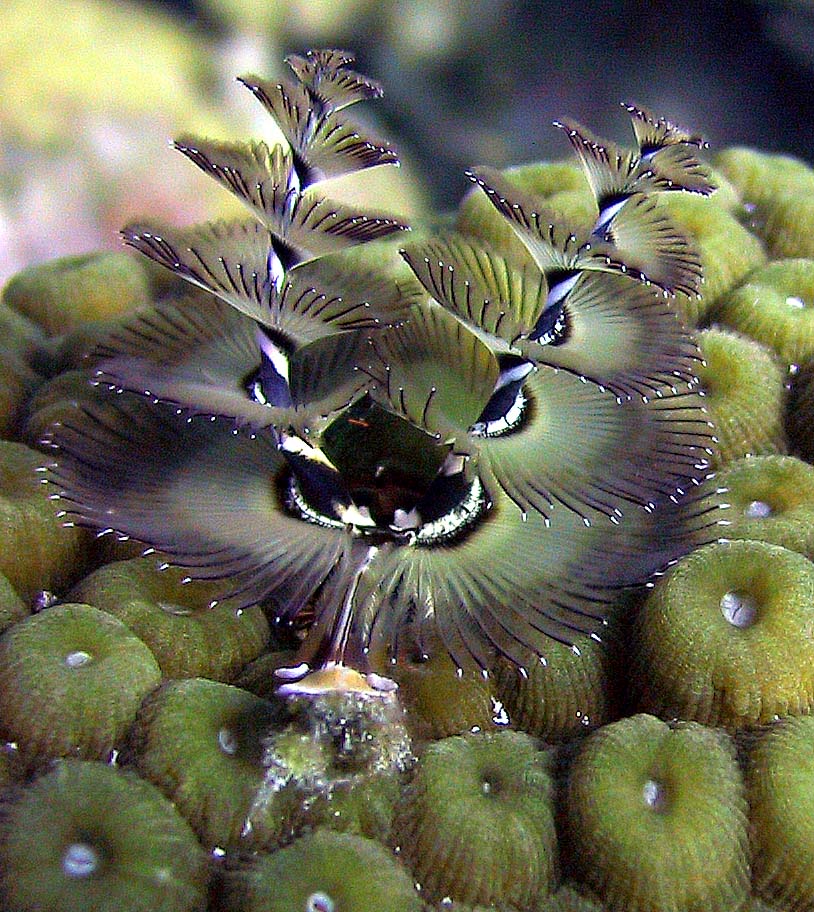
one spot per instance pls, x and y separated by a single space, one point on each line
476 822
89 836
71 681
780 773
725 636
657 817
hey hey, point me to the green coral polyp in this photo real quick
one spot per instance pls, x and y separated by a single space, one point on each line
780 773
770 499
729 253
476 822
775 306
657 817
321 871
71 681
725 636
64 293
776 194
38 552
432 459
744 388
559 696
188 636
89 836
199 741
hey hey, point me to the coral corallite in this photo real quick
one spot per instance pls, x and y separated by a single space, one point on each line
476 822
71 681
561 695
425 446
88 836
745 393
199 741
187 636
780 783
774 306
321 872
727 636
769 498
657 817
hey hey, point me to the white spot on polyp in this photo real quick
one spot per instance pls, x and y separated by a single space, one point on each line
227 741
79 860
77 659
796 302
758 509
654 795
319 902
738 609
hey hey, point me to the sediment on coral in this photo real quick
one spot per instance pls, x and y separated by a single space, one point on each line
334 759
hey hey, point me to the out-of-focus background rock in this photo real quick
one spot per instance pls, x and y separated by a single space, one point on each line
92 90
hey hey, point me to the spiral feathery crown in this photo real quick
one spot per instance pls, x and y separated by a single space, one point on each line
479 450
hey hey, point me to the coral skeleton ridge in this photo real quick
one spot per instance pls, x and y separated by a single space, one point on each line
450 446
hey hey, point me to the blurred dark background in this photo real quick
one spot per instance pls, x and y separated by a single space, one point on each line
481 80
90 91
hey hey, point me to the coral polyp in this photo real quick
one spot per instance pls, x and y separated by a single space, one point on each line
745 391
476 823
774 307
90 836
392 449
187 637
725 636
657 817
779 780
321 872
71 681
769 498
199 741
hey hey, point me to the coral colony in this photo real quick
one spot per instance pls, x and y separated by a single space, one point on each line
477 451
